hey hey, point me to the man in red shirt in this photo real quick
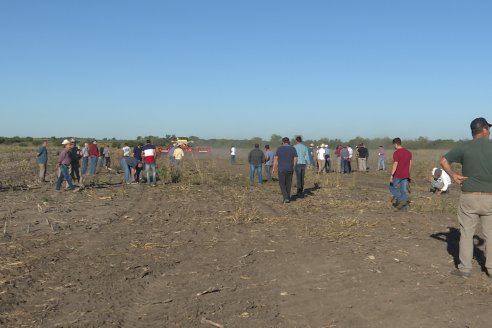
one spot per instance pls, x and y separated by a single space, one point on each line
400 175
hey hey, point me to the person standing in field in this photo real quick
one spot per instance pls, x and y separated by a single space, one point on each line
85 158
300 168
178 155
74 161
137 153
232 154
475 204
345 160
400 175
349 161
362 153
268 162
338 158
381 158
93 155
327 159
42 160
64 164
311 158
107 157
284 162
101 156
256 158
149 156
320 158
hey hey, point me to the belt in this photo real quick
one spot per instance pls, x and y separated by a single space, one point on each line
477 192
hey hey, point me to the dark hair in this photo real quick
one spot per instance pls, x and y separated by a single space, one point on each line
285 140
397 141
299 139
257 145
267 146
148 140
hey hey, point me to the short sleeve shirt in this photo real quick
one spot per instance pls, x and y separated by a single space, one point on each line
149 153
476 158
403 156
286 155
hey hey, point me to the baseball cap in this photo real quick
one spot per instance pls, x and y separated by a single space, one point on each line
479 123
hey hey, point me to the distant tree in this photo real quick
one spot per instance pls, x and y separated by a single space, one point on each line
275 139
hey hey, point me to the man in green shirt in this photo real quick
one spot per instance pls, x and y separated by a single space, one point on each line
476 192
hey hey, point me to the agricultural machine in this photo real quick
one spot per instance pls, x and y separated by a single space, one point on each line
186 145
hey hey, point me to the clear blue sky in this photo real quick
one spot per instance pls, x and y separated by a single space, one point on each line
244 68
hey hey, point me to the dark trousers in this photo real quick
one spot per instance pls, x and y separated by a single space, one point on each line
300 174
75 171
327 163
285 182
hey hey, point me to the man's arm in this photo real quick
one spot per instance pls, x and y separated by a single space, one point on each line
275 164
393 170
295 161
455 176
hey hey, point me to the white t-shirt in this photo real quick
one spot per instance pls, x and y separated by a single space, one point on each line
321 153
126 151
233 151
444 178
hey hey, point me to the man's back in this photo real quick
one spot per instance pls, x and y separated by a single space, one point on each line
404 157
286 155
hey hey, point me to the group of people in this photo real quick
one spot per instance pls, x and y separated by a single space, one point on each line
475 179
73 163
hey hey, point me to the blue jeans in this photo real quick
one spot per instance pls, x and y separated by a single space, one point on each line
85 164
148 166
381 163
345 166
93 164
268 171
300 174
233 159
398 189
252 169
126 170
64 175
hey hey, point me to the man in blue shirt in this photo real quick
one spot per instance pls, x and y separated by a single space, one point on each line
42 160
302 162
284 163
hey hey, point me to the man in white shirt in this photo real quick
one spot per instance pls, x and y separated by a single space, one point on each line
321 158
440 181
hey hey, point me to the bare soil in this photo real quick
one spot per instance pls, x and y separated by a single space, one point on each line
213 251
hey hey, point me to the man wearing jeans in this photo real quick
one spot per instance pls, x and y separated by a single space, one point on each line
42 160
149 155
476 193
400 175
93 155
284 163
255 160
64 163
302 162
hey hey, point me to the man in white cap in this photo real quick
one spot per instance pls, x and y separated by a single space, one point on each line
64 164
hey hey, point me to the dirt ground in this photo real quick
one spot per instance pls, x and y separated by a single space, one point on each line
213 251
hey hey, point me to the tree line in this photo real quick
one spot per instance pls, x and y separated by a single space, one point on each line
275 140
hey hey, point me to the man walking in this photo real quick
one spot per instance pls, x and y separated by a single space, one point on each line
302 162
255 160
42 160
284 162
400 175
64 163
475 202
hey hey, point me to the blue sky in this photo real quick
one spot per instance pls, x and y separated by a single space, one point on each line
244 68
